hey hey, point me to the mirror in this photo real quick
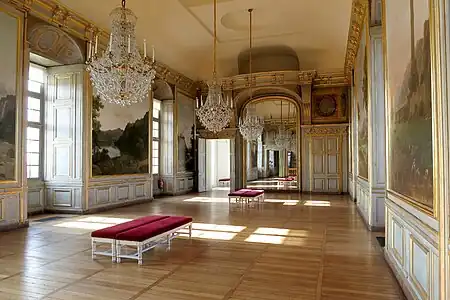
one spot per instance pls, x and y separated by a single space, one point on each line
270 163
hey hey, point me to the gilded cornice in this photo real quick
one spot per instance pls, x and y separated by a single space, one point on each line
359 9
282 78
56 14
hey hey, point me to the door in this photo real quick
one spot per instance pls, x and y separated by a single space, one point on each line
326 173
201 165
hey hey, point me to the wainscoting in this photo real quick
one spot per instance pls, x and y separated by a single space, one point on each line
412 249
36 196
104 193
10 209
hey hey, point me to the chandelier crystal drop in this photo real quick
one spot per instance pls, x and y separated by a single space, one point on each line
215 114
121 75
252 127
283 139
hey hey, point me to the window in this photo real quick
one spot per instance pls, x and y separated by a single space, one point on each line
155 136
35 102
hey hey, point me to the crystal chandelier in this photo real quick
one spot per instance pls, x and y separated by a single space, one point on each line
283 139
253 126
121 75
215 114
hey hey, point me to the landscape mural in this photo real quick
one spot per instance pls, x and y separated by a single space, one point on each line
8 77
186 107
119 138
362 107
409 83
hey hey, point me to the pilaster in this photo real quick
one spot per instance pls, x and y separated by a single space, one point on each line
377 131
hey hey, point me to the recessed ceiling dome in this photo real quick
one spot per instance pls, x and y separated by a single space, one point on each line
265 59
239 20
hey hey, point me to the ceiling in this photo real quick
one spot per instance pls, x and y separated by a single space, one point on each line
182 30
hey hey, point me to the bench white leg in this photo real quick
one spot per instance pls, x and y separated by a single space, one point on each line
113 251
140 254
94 249
118 247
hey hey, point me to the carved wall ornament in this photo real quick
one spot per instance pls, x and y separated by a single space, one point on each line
326 130
326 105
359 9
55 44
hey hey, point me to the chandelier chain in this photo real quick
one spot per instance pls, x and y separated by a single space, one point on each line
253 126
215 114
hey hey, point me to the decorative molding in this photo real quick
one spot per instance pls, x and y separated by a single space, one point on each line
227 133
54 43
281 78
325 130
53 12
359 9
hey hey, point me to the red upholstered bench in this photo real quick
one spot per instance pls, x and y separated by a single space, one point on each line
224 180
246 195
108 235
147 236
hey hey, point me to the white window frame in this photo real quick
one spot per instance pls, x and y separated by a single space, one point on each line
156 138
39 125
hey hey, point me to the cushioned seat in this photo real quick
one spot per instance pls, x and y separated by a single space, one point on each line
153 229
113 231
253 193
240 192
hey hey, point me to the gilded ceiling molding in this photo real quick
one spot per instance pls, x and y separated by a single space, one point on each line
330 79
55 13
359 9
281 78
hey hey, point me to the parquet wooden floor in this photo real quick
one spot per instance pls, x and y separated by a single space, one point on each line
294 247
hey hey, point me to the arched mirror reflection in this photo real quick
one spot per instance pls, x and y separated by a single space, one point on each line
270 162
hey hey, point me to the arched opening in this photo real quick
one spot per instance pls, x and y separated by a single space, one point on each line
273 161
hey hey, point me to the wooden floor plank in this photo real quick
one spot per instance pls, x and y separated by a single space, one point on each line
274 252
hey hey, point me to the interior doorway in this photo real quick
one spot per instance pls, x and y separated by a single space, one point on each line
218 164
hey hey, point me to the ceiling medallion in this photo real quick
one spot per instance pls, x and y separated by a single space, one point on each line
252 126
215 114
121 76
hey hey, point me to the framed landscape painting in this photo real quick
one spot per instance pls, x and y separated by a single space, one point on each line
9 94
408 67
120 138
362 102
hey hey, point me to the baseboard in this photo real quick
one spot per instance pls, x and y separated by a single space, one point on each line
406 288
14 226
368 226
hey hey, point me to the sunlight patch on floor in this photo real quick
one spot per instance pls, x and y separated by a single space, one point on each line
317 203
207 200
108 220
285 202
84 225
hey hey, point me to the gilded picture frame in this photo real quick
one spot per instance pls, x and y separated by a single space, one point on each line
361 89
17 175
411 99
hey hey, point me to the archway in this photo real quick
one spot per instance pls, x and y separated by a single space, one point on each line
266 164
